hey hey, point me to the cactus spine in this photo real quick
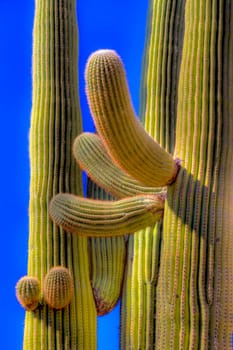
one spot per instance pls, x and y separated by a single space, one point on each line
55 122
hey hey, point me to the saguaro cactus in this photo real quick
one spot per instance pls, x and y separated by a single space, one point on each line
185 279
55 122
196 272
193 305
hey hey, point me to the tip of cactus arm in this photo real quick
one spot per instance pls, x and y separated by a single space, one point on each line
103 52
102 55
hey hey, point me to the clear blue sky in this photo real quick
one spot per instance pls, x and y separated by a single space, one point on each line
116 24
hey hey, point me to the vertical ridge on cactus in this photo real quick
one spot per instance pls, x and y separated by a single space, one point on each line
55 122
107 261
160 71
123 135
222 306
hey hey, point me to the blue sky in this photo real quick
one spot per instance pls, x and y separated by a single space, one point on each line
116 24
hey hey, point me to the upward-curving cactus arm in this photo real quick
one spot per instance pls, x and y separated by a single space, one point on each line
123 135
91 155
107 261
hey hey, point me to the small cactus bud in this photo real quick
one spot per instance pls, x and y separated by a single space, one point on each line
28 292
58 287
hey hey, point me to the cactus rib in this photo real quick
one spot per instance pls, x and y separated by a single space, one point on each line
97 218
123 135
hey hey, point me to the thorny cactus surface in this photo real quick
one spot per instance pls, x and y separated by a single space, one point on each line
194 290
55 122
177 291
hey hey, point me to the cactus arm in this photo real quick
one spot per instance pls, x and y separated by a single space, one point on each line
55 122
107 260
92 156
123 135
95 218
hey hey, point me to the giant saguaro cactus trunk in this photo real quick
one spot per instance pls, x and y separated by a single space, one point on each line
158 110
55 122
194 299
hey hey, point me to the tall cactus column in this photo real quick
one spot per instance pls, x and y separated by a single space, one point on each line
158 110
55 122
194 297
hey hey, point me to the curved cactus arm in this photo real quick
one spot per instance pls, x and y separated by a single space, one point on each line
95 218
92 156
122 133
107 261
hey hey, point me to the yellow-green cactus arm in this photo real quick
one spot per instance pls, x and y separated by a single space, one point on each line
107 261
122 133
96 218
93 157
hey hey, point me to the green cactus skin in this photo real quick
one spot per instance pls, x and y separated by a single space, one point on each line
194 296
55 122
194 289
96 218
107 261
28 292
158 111
91 155
58 287
123 135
